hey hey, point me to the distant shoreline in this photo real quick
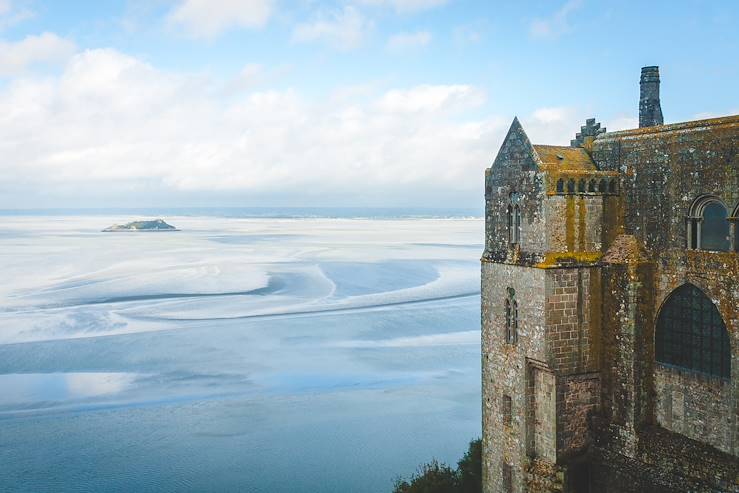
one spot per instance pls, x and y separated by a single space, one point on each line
372 213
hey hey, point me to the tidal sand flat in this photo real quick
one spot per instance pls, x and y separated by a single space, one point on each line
255 354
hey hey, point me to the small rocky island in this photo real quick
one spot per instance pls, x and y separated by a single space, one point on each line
153 225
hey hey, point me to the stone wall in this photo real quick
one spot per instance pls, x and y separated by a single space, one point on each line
665 169
574 223
694 405
505 368
578 398
568 318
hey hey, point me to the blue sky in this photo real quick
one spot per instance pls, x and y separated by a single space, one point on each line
306 103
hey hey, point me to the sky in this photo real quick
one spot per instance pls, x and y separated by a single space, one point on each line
304 103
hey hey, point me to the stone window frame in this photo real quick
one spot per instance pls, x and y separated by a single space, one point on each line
511 317
694 223
691 335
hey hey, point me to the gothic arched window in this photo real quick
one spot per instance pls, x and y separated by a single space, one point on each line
513 217
560 186
509 223
570 186
511 317
612 186
591 186
602 185
708 225
581 185
691 333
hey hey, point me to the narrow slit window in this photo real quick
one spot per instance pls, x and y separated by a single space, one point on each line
511 317
507 478
507 410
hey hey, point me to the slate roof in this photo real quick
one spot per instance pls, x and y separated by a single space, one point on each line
660 131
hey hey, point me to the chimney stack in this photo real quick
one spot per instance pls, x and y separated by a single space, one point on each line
650 112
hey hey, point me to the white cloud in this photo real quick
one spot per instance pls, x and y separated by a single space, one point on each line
623 123
111 124
553 125
406 6
430 99
343 30
209 18
46 48
557 24
551 114
406 41
11 14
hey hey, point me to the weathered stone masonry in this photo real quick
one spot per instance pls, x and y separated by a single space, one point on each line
614 262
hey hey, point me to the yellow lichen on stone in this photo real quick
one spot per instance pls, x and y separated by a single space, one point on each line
553 260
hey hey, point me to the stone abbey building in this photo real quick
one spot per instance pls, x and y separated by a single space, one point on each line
610 309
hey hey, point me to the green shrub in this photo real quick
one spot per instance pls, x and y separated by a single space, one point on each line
469 469
436 477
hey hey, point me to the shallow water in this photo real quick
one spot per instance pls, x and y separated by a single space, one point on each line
237 354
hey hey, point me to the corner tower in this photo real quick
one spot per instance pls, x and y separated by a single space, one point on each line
544 239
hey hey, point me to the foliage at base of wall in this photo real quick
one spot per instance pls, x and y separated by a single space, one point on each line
436 477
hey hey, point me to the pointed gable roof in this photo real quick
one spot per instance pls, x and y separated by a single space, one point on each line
516 149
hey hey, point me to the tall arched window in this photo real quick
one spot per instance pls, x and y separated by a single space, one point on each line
511 317
592 186
708 225
581 185
513 213
571 185
560 186
735 225
509 222
691 333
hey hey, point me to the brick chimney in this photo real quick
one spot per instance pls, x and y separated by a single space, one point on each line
650 112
